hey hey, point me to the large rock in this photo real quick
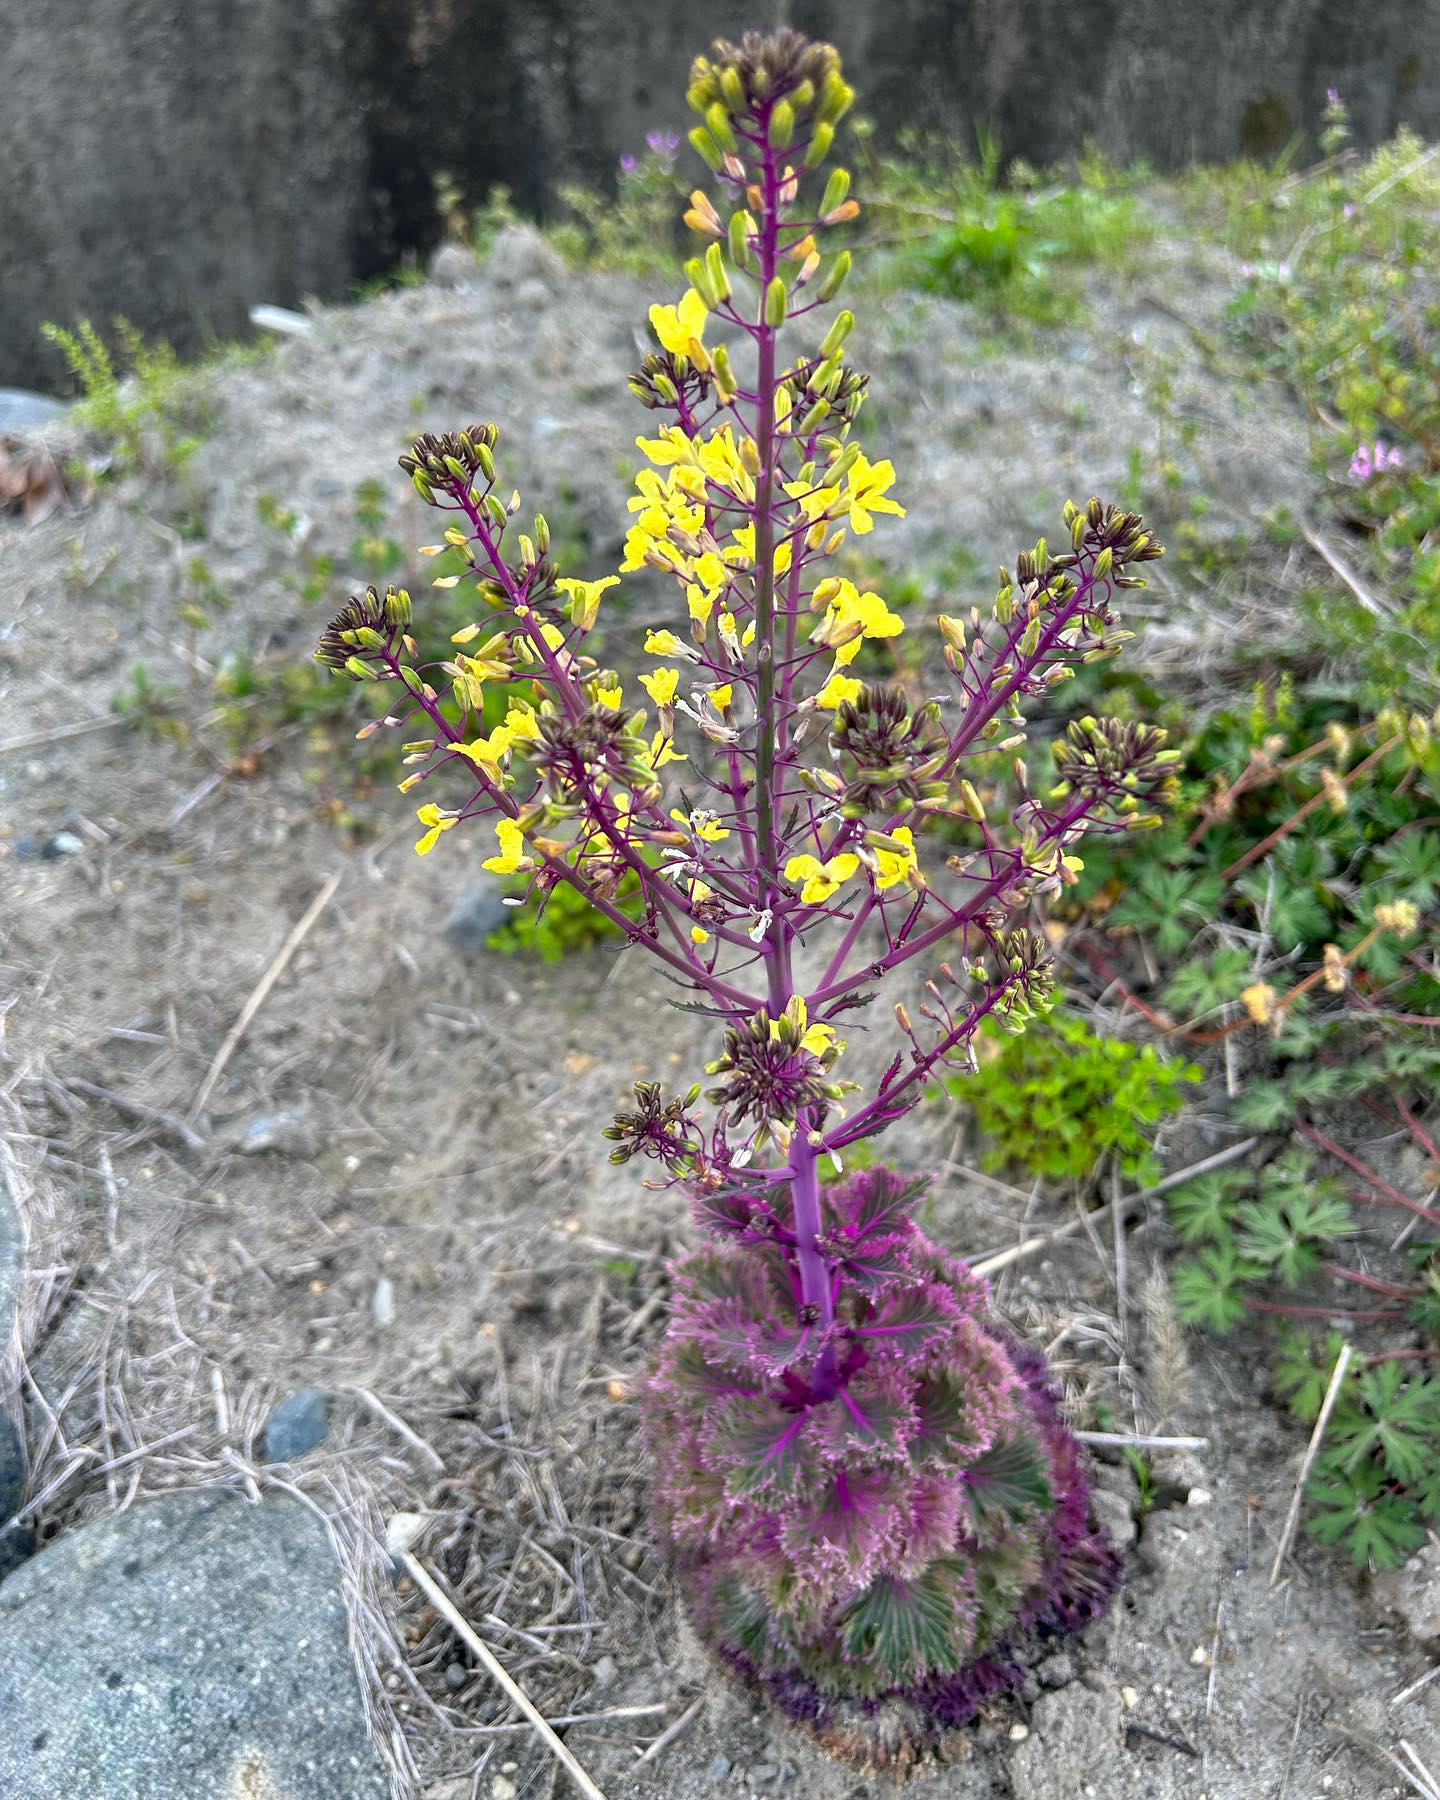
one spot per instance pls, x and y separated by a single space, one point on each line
192 1648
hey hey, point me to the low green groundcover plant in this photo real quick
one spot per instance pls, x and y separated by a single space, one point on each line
871 1502
1064 1098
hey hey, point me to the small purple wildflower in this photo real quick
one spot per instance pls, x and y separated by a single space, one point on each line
1367 463
628 165
663 144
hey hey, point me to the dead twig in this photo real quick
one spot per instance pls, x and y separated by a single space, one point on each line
259 994
671 1732
1346 574
1139 1440
991 1265
1312 1449
498 1673
137 1109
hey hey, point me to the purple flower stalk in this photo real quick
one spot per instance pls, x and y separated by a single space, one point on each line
866 1487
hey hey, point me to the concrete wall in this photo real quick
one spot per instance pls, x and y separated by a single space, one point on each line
178 160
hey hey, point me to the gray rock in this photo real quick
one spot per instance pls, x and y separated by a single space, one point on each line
719 1769
194 1645
453 266
16 1541
286 1132
21 410
1414 1592
519 254
297 1425
1113 1512
478 910
64 843
764 1773
1075 1738
1056 1671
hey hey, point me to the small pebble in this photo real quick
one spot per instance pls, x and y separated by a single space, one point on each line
502 1788
1019 1733
456 1675
1199 1497
719 1768
382 1303
1130 1696
1057 1671
1199 1656
764 1772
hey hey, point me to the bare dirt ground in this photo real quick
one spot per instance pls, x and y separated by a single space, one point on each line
436 1237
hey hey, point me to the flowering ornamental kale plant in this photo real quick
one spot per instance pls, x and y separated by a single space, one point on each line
864 1483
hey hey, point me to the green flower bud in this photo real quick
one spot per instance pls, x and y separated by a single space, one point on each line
359 670
698 277
839 330
719 275
836 188
782 124
821 140
835 277
707 149
723 132
775 299
733 89
741 225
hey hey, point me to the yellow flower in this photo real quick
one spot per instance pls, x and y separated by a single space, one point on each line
464 634
818 1039
895 866
1259 1001
700 601
512 849
613 697
663 751
521 723
821 879
705 826
681 328
837 689
486 752
661 685
851 615
720 696
665 643
436 822
554 637
699 935
865 492
585 598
